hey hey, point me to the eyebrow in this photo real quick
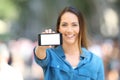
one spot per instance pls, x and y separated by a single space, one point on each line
75 22
72 22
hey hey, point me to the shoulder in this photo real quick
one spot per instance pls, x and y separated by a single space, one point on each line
93 63
92 58
90 54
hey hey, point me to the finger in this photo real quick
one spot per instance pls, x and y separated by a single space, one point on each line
49 30
53 31
46 31
43 32
50 46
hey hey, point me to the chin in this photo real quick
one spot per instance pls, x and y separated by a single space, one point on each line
70 42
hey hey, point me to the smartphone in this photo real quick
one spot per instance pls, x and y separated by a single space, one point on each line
49 39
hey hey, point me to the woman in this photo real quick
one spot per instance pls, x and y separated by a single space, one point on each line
71 60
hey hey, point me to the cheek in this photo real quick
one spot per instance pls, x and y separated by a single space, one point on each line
61 30
77 30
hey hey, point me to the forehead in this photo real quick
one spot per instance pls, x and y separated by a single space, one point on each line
69 16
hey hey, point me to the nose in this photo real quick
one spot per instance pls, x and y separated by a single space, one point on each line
69 29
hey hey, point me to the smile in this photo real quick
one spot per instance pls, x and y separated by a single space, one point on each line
70 36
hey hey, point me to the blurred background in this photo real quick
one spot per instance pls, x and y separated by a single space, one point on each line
22 20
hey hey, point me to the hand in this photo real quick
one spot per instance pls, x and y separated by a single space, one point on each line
48 31
41 50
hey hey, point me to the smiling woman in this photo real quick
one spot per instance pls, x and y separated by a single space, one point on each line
71 60
69 27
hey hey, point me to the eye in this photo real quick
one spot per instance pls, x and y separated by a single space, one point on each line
75 24
64 24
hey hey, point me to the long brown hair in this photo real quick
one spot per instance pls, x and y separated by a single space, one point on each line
82 42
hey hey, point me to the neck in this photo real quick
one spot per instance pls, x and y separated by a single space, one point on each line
71 49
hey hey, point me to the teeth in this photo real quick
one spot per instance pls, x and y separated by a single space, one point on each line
69 36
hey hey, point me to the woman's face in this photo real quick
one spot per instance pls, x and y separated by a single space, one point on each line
69 27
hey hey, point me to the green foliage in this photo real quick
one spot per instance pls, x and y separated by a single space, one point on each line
86 6
7 10
4 37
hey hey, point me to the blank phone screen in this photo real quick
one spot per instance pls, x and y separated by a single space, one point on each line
50 39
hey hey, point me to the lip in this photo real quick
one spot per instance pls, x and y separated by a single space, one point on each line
71 36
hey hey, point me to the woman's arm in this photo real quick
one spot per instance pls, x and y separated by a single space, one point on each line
101 75
40 51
